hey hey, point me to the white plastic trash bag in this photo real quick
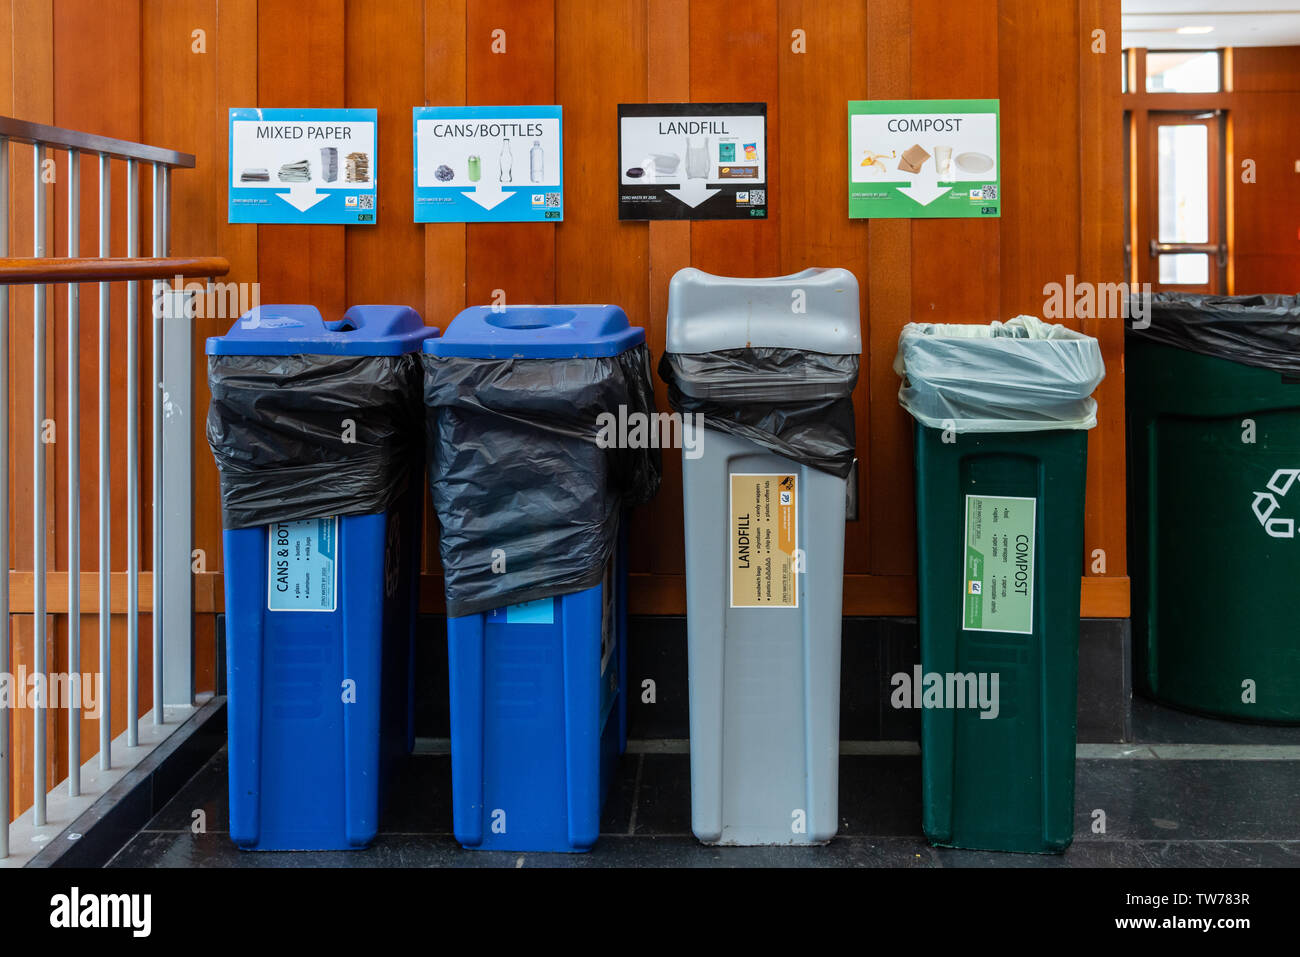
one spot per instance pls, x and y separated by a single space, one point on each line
1018 376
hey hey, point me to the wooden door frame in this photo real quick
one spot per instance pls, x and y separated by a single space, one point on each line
1215 244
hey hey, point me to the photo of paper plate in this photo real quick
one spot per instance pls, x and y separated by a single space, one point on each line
973 162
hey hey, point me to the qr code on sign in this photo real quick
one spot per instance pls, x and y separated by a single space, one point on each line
366 201
989 192
553 199
758 197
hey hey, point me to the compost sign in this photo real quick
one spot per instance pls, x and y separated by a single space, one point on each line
933 159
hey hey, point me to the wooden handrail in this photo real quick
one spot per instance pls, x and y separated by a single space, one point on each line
54 270
22 131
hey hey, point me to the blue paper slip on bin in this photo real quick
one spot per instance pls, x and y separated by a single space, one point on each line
537 683
320 609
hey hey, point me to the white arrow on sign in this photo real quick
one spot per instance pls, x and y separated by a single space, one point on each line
489 195
302 196
926 189
693 192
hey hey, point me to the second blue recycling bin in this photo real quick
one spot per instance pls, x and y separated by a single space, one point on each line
538 690
320 613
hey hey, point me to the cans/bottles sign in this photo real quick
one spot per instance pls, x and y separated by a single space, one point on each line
998 583
764 540
302 565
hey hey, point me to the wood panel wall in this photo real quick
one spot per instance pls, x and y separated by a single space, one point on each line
128 68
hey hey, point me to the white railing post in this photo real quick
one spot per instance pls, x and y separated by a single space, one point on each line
132 463
176 591
73 433
5 663
105 488
38 492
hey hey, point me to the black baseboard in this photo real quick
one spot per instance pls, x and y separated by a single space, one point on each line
873 650
101 830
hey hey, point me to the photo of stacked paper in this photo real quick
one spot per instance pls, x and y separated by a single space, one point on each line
296 172
329 163
912 158
356 168
255 176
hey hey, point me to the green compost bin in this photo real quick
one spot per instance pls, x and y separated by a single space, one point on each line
1001 462
1213 406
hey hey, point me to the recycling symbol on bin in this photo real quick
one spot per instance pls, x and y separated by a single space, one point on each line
1266 503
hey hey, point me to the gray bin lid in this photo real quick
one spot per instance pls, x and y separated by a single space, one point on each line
709 313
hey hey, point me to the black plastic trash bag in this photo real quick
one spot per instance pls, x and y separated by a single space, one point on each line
1262 330
279 429
796 403
519 481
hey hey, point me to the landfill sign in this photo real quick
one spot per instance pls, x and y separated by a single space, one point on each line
998 577
692 161
764 538
303 166
914 159
488 164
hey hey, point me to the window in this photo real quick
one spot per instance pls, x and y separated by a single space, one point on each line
1184 71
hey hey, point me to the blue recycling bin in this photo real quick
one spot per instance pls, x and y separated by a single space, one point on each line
320 620
538 691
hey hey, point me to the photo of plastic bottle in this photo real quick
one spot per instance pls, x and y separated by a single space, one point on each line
505 163
536 162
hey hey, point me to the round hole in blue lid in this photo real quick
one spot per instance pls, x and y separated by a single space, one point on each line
525 318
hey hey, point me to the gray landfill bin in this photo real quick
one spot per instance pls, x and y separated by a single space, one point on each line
770 364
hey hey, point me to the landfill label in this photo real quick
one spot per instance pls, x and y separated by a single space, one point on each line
692 161
764 538
998 579
302 567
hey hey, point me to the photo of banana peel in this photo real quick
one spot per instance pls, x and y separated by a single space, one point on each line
912 158
875 162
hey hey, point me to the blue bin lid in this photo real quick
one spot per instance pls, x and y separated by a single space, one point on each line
292 330
537 332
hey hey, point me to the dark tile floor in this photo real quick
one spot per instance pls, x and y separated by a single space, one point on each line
1230 810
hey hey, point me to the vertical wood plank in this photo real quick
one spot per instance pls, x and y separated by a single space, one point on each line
385 71
814 228
1101 260
734 59
668 80
891 507
233 46
444 243
1038 56
300 63
516 258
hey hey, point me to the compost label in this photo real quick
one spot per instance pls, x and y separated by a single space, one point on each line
998 581
764 537
302 565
